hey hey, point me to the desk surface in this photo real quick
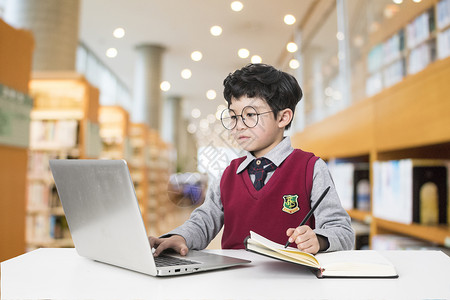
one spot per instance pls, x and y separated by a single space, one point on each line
62 274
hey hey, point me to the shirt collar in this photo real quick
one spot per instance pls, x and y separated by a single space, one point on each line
277 155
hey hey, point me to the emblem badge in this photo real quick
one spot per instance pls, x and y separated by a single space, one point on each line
290 204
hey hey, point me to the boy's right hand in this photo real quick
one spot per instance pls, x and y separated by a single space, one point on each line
175 242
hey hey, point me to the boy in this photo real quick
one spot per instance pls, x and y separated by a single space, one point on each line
271 189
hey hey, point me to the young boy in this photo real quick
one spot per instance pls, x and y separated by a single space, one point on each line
271 189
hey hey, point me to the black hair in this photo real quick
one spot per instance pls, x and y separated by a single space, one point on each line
279 89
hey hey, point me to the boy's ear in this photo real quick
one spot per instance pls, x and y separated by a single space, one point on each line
285 117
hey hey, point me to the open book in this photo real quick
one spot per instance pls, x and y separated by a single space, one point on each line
356 263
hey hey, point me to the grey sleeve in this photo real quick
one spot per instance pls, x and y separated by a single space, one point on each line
205 221
332 221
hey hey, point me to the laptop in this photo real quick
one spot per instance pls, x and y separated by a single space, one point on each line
106 225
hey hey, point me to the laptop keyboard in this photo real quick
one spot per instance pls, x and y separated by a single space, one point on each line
167 261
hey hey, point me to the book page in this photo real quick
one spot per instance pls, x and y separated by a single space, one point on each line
356 263
289 253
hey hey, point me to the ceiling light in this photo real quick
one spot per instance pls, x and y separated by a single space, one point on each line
289 19
196 113
358 41
165 86
329 91
204 124
119 32
186 73
211 118
243 53
256 59
397 1
291 47
237 5
417 1
211 94
111 52
219 111
216 30
294 64
196 56
192 128
340 36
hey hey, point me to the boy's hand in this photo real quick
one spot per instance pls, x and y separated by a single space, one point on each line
175 242
305 238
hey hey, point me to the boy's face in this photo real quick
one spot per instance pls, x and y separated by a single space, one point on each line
265 135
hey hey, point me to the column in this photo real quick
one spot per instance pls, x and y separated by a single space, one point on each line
344 54
298 123
172 117
54 24
147 106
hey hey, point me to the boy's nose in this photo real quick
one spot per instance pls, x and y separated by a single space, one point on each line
240 123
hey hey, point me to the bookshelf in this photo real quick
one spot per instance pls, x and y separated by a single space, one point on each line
139 164
407 119
161 212
16 51
64 124
114 132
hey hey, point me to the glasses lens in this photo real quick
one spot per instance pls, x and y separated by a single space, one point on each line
228 118
250 116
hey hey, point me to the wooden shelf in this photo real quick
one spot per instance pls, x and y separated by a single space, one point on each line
407 120
59 97
16 54
51 243
362 216
439 234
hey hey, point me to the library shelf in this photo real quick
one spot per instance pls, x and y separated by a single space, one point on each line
438 234
64 124
16 54
359 215
409 119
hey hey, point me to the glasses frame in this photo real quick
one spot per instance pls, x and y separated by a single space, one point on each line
242 118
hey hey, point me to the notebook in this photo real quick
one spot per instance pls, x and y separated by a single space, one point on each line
105 221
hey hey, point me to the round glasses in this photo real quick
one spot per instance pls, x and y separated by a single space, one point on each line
249 116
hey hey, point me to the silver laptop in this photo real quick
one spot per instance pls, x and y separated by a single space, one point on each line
106 225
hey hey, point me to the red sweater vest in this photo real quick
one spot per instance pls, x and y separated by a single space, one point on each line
281 204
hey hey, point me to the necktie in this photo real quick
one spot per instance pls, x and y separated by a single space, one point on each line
260 167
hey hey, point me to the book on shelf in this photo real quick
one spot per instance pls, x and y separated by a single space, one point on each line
443 44
410 190
353 264
420 28
393 47
352 184
54 134
443 13
394 73
374 84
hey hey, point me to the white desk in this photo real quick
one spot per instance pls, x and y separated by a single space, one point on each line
62 274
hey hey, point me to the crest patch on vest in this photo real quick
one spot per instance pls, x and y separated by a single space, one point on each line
290 204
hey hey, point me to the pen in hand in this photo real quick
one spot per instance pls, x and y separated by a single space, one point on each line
311 212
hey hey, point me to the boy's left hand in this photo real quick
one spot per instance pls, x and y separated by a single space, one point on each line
305 238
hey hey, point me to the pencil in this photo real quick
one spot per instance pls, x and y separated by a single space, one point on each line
311 212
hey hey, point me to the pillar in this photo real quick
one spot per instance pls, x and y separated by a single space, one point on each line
170 130
147 106
344 54
54 24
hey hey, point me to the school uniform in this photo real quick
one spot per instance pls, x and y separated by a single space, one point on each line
286 197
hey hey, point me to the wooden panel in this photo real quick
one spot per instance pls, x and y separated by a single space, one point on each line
415 112
408 11
348 133
435 234
13 162
16 52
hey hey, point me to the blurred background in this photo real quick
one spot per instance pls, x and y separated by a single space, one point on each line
141 80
